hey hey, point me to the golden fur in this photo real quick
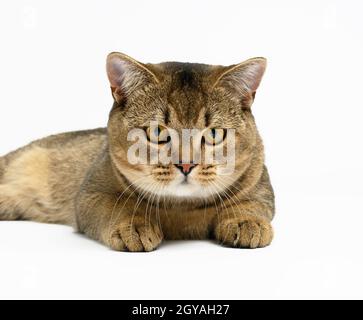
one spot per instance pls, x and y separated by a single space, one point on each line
84 179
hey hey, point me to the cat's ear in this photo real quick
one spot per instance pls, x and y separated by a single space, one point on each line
243 78
126 75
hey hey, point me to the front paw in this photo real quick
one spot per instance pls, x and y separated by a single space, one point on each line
135 235
244 232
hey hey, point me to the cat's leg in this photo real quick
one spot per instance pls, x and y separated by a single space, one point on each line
246 225
119 222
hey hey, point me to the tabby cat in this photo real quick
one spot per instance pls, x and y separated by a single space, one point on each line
84 178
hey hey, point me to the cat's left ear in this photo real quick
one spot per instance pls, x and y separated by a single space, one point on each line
127 75
243 78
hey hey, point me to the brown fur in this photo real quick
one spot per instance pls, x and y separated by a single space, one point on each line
83 178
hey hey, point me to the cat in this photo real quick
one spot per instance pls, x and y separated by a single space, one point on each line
84 179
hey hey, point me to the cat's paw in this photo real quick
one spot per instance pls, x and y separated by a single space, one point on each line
244 232
135 237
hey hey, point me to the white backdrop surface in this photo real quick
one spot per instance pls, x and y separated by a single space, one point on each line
308 109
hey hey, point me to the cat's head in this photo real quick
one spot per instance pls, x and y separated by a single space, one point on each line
160 100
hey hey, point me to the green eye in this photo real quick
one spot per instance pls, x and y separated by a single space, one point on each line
157 134
214 136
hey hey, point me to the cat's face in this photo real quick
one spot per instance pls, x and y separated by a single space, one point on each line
163 100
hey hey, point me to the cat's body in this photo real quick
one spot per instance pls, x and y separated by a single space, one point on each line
83 178
41 181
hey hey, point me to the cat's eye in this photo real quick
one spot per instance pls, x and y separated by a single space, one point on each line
214 136
157 134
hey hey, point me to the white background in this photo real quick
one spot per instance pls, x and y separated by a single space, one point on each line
309 111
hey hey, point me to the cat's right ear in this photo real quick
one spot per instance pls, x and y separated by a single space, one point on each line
127 75
243 79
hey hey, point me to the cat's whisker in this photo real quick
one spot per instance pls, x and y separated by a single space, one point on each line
223 204
124 204
158 214
224 190
143 194
119 198
136 206
150 202
165 210
221 200
157 207
228 197
241 192
215 204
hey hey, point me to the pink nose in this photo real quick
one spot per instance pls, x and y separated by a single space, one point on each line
185 168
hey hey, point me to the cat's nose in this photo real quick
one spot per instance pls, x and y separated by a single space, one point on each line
185 168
